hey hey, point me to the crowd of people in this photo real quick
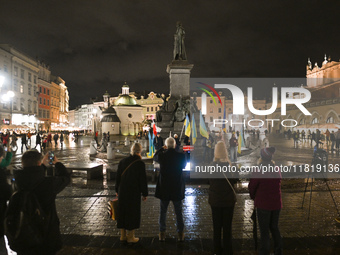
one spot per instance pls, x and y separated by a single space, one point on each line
131 189
329 140
43 139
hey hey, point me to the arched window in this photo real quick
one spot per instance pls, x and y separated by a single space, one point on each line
315 121
302 121
330 120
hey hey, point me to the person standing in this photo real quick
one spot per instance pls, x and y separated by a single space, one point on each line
46 189
337 140
23 142
38 141
49 139
131 183
170 186
233 148
332 139
178 142
29 135
158 142
222 199
55 138
5 192
266 193
5 139
61 139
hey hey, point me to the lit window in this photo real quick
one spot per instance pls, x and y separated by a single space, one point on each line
21 89
315 121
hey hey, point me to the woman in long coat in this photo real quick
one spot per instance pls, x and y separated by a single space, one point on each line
130 185
222 199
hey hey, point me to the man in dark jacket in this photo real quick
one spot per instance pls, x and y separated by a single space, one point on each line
46 189
170 185
5 193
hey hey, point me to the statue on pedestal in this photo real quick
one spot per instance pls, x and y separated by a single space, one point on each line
179 49
163 108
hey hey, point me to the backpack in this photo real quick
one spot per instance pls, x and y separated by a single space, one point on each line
25 222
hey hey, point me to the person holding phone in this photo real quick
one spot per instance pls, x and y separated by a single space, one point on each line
32 176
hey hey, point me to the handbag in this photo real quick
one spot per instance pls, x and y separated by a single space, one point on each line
113 209
113 204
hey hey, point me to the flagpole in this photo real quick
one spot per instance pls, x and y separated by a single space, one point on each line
180 138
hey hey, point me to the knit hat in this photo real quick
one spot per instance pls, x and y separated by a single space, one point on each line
220 151
267 153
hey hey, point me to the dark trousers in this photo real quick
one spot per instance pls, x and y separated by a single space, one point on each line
222 222
269 222
178 212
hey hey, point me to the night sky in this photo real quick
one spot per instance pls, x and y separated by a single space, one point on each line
96 45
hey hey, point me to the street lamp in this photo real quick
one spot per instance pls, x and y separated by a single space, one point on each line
8 97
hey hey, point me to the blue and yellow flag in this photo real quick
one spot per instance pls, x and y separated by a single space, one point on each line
187 126
203 129
151 146
194 131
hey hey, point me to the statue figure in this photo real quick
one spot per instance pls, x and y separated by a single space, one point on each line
163 108
180 110
179 49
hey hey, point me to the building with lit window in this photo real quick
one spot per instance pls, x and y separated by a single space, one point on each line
20 73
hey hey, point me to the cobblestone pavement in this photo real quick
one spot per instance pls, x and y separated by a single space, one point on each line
87 229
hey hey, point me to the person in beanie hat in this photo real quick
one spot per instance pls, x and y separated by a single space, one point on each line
267 153
222 199
265 189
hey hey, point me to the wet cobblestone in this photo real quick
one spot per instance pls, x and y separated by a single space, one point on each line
87 229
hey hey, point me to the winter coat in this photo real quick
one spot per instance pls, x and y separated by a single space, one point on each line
266 192
170 183
5 193
46 191
221 193
158 142
129 187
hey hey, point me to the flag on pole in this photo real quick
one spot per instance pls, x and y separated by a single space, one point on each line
203 129
154 129
187 126
224 128
194 131
239 141
151 146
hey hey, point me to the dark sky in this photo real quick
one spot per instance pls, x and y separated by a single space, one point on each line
96 45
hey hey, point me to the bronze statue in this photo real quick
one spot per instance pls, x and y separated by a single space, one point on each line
179 49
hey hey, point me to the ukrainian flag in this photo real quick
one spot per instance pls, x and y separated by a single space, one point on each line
187 126
151 146
203 129
194 131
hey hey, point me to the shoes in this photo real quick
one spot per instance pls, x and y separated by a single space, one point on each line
131 237
123 237
180 236
162 236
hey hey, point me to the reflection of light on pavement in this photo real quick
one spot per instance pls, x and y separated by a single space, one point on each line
187 167
190 204
9 251
248 210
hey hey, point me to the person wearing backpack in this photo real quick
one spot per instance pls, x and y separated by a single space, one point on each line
5 192
32 180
